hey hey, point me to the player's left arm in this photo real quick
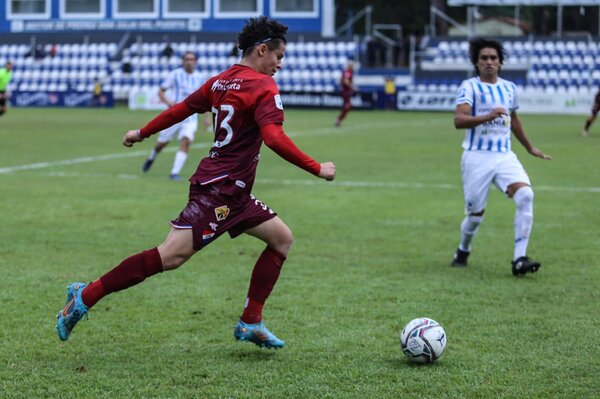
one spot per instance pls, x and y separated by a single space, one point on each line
517 128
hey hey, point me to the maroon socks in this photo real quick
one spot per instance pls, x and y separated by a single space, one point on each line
130 272
264 276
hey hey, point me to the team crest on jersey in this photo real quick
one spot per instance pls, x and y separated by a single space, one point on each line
278 102
222 212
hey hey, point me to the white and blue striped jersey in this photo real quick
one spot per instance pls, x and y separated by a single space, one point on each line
181 84
492 136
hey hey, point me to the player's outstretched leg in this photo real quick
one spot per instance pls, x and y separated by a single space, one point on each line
73 311
81 297
257 333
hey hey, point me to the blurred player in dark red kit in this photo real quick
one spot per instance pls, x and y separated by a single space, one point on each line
247 110
347 89
592 117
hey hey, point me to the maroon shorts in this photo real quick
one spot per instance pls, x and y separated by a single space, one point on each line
347 97
595 109
221 207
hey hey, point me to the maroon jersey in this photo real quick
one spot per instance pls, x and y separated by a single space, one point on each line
349 75
242 101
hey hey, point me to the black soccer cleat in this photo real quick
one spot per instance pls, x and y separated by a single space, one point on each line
147 165
460 258
524 265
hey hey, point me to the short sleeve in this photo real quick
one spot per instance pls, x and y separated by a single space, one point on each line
198 101
515 103
168 82
464 95
269 108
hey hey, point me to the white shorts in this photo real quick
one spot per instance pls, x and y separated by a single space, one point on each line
185 129
480 169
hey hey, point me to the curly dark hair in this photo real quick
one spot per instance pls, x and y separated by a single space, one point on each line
476 45
261 30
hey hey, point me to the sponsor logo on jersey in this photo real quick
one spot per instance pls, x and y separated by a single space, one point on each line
222 212
224 84
278 102
207 235
213 226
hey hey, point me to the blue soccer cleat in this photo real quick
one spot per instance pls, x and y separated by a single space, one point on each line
73 311
258 334
175 177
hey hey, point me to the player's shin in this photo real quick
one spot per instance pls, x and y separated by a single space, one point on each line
523 220
468 229
264 276
180 159
130 272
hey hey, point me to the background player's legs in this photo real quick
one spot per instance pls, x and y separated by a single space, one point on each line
588 123
2 103
278 237
153 154
187 133
522 194
208 122
172 253
180 156
345 109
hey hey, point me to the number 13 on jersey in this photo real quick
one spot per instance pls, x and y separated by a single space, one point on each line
226 115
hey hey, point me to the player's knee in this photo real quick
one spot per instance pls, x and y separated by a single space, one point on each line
284 241
523 196
173 261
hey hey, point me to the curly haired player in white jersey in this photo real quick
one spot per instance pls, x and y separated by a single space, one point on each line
486 106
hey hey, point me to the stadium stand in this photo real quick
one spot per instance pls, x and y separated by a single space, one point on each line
308 66
549 65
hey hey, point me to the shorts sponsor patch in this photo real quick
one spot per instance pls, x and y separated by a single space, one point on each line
222 212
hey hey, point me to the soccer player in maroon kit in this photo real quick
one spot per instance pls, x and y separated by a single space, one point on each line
347 90
247 110
593 115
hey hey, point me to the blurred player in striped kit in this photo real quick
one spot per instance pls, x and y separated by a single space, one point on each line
182 81
486 107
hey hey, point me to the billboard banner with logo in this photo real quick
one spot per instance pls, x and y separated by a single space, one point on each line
529 102
60 99
148 99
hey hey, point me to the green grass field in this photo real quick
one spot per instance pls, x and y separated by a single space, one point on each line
371 252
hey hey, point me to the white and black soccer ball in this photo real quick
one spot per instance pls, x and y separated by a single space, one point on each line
423 340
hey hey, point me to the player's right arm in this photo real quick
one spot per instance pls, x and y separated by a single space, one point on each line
163 97
465 98
165 119
464 120
197 102
166 85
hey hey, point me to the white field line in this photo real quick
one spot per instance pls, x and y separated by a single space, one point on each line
75 161
132 154
316 132
353 184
